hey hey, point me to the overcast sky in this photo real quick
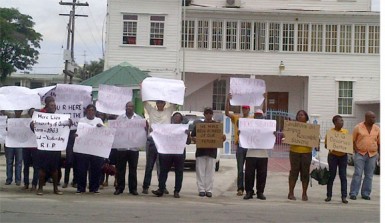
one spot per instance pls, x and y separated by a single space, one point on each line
88 30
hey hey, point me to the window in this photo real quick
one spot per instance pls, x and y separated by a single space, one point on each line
303 38
217 35
331 38
288 37
219 95
274 32
231 35
316 37
345 38
130 25
157 30
359 38
374 39
259 36
345 97
203 34
245 38
188 28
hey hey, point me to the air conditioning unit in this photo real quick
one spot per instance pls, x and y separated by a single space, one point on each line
233 3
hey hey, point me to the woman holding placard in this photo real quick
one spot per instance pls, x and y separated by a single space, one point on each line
300 160
337 159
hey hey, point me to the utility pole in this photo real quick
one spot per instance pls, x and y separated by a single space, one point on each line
69 58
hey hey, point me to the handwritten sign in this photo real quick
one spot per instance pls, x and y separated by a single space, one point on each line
19 133
302 134
169 138
51 131
338 141
129 133
95 141
112 100
247 91
169 90
209 135
257 133
3 128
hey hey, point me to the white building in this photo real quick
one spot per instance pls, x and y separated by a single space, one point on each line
318 55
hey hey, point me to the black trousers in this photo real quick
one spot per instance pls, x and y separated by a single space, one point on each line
259 165
122 158
166 161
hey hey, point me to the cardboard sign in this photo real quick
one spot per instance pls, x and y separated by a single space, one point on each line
169 90
129 133
209 135
169 138
247 91
51 131
3 128
113 100
19 133
92 140
257 133
338 141
302 134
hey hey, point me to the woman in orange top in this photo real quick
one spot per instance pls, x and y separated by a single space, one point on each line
300 160
340 160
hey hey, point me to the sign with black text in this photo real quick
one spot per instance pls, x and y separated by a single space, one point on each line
209 135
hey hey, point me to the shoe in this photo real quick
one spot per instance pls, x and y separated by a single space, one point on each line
39 192
58 192
366 198
352 197
117 192
7 183
328 199
74 185
166 191
33 188
18 184
158 193
240 193
209 194
65 185
79 192
145 191
202 194
261 197
26 187
97 192
248 196
134 192
176 195
344 200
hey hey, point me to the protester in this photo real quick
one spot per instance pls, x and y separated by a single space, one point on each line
127 155
86 162
240 152
256 165
300 160
205 160
157 115
366 144
166 161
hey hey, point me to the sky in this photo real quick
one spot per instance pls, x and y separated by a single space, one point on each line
89 31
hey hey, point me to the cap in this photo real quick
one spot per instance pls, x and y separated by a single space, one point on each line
258 111
245 107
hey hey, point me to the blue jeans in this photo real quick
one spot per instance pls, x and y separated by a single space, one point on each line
363 164
241 158
341 162
14 154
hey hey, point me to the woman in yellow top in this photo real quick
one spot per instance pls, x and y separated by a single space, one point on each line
300 160
340 160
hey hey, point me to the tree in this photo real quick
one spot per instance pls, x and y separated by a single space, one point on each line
18 42
90 69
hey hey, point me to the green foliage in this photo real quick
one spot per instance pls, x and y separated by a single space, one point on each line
18 42
90 69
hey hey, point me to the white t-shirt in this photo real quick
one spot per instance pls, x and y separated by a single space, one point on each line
159 117
92 122
124 117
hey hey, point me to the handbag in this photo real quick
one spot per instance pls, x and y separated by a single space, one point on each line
320 174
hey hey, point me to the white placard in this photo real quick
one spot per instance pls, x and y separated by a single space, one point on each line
257 133
169 138
130 133
19 133
72 99
113 100
18 98
247 91
169 90
3 128
51 131
92 140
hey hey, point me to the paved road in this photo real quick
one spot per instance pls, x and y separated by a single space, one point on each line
22 206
